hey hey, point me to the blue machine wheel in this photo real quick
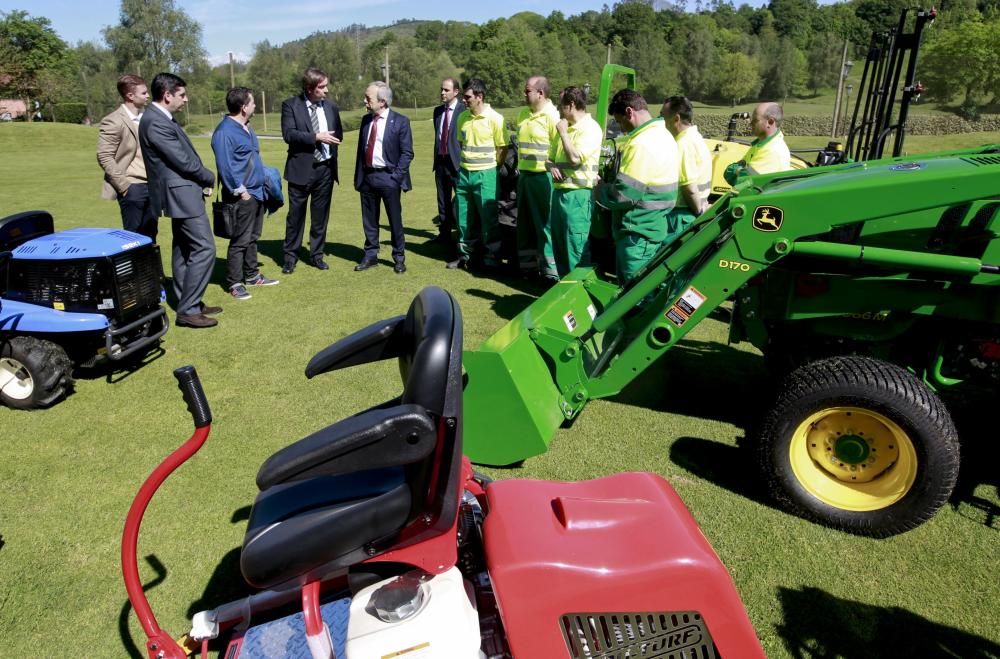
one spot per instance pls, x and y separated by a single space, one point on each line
34 373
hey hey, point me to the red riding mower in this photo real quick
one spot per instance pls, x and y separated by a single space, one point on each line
394 547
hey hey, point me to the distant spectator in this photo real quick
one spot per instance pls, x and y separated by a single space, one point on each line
382 173
483 141
575 159
311 127
695 180
242 179
119 156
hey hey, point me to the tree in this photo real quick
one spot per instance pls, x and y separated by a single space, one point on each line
737 77
785 69
33 59
824 61
154 36
649 54
961 62
696 65
793 19
274 72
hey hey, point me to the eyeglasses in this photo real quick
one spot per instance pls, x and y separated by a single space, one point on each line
468 97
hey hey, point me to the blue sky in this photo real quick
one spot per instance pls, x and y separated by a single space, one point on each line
226 30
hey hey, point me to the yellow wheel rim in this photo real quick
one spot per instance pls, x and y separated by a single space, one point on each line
853 459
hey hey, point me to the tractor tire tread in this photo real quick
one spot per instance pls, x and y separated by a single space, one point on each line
860 380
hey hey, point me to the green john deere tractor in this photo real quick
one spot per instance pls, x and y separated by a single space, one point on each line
875 284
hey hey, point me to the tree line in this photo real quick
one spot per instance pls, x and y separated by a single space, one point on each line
713 52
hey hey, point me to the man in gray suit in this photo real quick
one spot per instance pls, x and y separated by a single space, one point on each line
178 185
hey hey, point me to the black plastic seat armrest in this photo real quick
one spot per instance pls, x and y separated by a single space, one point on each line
375 438
374 343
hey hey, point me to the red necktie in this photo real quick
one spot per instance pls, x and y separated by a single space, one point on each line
372 134
443 150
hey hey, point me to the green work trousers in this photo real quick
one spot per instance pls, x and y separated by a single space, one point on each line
534 237
678 220
571 209
476 213
633 251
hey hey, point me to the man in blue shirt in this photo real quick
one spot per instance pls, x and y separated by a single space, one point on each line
241 177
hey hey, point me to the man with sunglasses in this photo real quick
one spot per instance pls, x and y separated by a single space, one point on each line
482 139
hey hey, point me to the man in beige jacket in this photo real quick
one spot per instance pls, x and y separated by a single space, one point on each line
119 155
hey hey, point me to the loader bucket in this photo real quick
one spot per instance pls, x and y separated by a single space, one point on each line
517 394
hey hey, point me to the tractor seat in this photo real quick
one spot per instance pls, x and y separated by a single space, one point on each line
351 490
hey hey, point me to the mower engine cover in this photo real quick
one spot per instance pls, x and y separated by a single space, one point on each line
623 566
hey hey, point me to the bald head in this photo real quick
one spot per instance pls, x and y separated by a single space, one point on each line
536 92
766 120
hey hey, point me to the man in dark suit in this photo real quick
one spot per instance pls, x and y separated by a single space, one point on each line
178 184
311 127
446 155
382 173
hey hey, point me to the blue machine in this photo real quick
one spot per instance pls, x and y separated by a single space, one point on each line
83 297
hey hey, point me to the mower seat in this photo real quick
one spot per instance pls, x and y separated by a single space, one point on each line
378 480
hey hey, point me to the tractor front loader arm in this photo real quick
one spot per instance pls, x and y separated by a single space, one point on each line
585 338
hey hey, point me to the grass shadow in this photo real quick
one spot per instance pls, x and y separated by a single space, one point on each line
226 583
978 467
128 643
703 379
504 306
721 464
817 624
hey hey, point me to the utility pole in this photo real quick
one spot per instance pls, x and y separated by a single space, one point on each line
840 91
232 71
385 67
609 52
263 106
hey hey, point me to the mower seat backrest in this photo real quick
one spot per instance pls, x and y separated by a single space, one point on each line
17 229
383 479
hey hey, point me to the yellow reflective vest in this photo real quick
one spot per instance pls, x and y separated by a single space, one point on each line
586 137
480 138
696 164
646 186
768 155
535 133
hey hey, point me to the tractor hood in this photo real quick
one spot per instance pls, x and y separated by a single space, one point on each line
80 243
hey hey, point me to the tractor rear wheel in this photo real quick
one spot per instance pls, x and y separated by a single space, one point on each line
33 373
859 444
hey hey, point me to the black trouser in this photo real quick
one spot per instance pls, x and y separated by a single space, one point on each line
445 177
248 223
379 187
137 213
320 189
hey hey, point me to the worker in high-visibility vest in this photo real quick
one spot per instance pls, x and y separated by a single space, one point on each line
768 152
645 188
695 178
575 155
536 131
482 139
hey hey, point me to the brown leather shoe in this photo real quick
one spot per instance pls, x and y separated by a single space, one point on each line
196 320
210 311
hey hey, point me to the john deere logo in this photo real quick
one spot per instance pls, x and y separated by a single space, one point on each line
767 218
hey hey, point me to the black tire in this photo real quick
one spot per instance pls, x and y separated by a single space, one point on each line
818 462
34 373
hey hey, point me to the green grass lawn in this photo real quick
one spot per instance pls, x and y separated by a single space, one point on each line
67 475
